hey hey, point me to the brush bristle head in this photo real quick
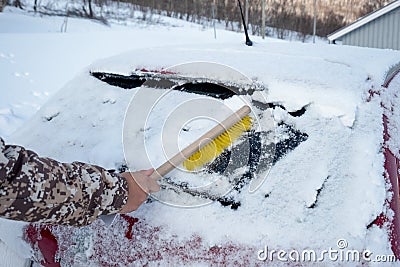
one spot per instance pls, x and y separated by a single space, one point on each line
213 149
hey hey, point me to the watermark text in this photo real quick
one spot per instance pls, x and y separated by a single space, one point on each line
341 253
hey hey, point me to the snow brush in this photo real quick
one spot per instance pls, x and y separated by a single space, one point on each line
210 145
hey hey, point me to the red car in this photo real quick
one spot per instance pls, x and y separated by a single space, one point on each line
321 197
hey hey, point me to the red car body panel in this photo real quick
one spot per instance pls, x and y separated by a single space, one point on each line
392 167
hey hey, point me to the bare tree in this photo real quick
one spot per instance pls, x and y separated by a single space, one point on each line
90 9
89 3
314 20
17 3
371 6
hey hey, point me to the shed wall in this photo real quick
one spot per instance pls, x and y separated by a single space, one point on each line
383 32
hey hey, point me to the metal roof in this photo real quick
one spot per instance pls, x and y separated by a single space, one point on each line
364 20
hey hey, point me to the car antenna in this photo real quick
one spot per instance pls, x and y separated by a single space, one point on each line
248 41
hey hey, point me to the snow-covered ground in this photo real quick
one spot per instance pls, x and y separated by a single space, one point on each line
328 188
37 59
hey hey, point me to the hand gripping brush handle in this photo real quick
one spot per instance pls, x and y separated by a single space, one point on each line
205 139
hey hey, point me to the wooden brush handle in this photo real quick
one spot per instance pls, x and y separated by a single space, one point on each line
206 138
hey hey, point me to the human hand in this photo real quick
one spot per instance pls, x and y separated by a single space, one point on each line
140 185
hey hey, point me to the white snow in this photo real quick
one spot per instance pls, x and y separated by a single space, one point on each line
82 119
32 75
9 257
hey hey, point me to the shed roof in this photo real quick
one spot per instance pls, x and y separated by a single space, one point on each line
364 20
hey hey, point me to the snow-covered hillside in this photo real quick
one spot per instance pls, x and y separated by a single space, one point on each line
328 188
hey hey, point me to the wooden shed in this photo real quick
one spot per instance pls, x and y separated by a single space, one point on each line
379 29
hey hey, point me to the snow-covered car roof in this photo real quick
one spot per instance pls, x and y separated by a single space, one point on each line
323 192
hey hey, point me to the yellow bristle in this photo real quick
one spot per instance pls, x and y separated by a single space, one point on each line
213 149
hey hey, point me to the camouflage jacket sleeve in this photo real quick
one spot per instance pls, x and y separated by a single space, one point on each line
37 189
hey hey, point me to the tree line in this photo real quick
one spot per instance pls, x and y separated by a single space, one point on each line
282 16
